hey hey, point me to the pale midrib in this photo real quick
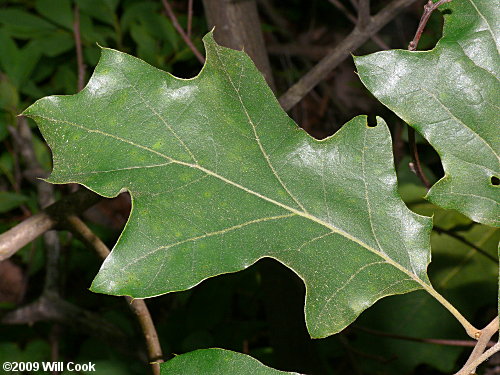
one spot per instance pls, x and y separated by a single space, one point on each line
476 196
119 169
146 103
211 234
257 138
368 205
206 235
462 123
486 22
345 284
303 214
365 187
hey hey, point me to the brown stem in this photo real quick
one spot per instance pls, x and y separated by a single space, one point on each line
51 308
180 30
143 316
54 337
312 52
36 225
353 360
78 46
15 179
471 368
398 144
415 165
478 354
137 306
428 9
446 342
45 196
355 39
276 17
237 26
190 18
466 242
363 14
376 39
360 353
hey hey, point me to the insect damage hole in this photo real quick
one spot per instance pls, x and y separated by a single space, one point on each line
371 121
495 181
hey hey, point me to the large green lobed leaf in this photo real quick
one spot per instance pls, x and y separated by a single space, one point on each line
451 96
221 177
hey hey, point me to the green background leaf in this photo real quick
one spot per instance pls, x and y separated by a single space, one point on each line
9 200
221 177
451 96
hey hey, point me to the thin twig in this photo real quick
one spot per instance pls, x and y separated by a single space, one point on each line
276 16
478 354
472 331
312 52
398 144
371 356
36 225
180 30
350 354
428 9
52 308
54 337
415 165
376 39
355 39
471 367
15 179
138 306
465 241
23 138
45 196
363 14
49 306
354 4
78 47
190 18
288 49
141 312
445 342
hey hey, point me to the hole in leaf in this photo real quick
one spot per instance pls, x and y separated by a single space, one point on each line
371 121
495 181
446 11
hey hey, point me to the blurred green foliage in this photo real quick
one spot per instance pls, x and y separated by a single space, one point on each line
38 58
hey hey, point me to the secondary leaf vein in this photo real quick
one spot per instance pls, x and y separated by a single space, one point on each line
270 200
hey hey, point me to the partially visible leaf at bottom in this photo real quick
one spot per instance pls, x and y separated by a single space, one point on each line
221 177
217 362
